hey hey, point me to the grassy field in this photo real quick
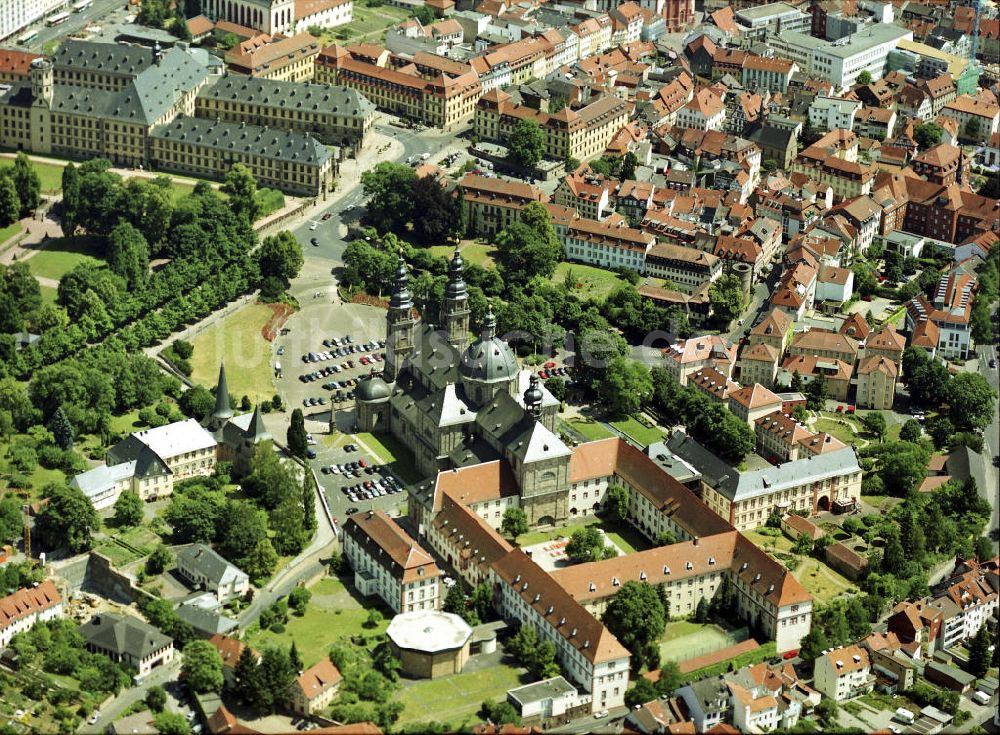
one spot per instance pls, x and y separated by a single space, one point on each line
50 175
685 639
9 231
392 452
620 534
455 699
821 581
270 200
236 339
62 255
835 428
368 24
49 294
588 280
472 252
642 434
333 613
589 428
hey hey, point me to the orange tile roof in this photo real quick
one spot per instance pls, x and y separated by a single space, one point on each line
847 659
755 396
409 560
28 601
880 363
760 352
476 483
318 678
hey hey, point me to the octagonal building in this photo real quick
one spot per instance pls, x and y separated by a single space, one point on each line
429 643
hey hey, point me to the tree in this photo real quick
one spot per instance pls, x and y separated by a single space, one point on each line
159 560
528 248
62 429
11 520
128 509
27 183
971 402
171 723
665 538
979 652
296 437
196 402
514 523
617 501
927 135
437 215
726 297
385 661
624 386
202 667
875 422
67 520
911 431
826 711
10 204
280 256
641 692
298 600
389 188
276 675
864 77
241 187
813 644
816 393
637 618
538 656
246 677
499 713
587 544
156 698
70 200
244 526
526 144
803 544
128 255
294 658
629 163
701 610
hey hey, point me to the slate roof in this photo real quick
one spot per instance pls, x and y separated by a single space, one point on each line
343 101
209 563
123 634
209 622
281 145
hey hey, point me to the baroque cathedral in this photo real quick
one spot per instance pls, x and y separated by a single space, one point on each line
456 402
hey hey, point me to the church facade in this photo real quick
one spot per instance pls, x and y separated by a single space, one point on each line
455 401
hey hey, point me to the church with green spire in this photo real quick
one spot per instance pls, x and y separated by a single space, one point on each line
457 399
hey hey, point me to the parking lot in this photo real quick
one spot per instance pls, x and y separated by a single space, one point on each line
323 387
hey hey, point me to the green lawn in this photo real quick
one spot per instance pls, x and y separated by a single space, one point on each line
270 200
472 252
37 478
684 639
642 434
333 613
589 428
49 294
370 22
588 281
620 534
9 231
62 255
837 429
50 175
392 452
455 699
821 581
237 340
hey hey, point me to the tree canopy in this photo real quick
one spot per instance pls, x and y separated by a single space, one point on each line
526 144
637 618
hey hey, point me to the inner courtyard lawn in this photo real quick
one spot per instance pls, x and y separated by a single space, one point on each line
643 434
237 340
455 699
472 251
390 451
14 228
590 429
684 639
588 281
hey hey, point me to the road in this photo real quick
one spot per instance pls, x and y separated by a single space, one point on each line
991 442
161 676
101 12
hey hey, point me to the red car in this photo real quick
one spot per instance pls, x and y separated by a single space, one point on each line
840 409
789 655
850 409
362 463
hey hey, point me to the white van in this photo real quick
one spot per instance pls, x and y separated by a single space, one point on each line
904 715
981 697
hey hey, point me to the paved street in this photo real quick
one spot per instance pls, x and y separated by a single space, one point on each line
161 676
991 443
102 12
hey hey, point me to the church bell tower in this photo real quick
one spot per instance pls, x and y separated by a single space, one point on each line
455 306
399 325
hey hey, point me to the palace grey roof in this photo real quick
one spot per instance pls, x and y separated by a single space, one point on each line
343 101
103 57
736 485
100 479
373 389
123 635
489 360
281 145
204 620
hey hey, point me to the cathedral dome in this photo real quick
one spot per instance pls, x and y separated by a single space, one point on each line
372 389
489 359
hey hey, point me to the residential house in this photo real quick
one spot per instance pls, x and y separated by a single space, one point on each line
843 673
20 610
836 373
490 205
886 342
204 569
832 113
978 118
687 356
877 382
705 111
758 363
314 688
129 640
834 284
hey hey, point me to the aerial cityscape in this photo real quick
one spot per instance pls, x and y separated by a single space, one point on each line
499 366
